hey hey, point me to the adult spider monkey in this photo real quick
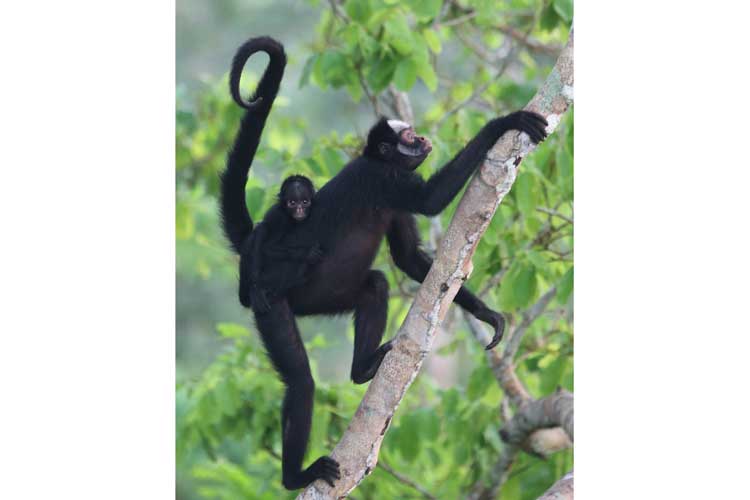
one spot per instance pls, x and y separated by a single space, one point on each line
273 257
372 197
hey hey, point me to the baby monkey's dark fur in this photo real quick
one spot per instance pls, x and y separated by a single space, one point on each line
275 258
371 198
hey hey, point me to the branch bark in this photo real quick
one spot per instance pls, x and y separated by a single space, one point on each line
561 490
553 411
357 452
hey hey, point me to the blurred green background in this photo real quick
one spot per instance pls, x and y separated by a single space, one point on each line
458 64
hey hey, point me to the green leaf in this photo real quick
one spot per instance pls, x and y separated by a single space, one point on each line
427 73
304 79
399 35
358 10
432 39
184 221
405 75
565 286
232 330
381 73
525 285
410 439
355 90
564 162
450 401
549 19
537 259
552 374
479 382
564 9
526 193
426 9
429 424
334 68
461 91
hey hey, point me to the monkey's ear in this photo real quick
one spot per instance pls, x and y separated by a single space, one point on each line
384 148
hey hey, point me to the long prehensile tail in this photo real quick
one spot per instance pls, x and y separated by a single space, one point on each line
235 218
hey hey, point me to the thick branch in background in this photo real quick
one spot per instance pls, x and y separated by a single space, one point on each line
357 452
541 438
553 411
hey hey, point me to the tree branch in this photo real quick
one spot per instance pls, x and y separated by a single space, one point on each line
357 452
553 411
561 490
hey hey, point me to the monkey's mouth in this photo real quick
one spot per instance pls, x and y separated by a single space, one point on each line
299 215
418 148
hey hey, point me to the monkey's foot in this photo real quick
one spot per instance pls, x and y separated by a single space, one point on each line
496 321
377 358
324 468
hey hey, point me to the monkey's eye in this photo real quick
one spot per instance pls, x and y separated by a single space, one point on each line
305 202
291 203
408 135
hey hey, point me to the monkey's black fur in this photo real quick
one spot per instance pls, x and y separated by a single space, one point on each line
373 197
275 258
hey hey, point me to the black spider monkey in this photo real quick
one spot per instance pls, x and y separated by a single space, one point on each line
372 197
273 257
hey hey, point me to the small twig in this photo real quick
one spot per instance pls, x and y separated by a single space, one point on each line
402 104
528 42
554 213
514 342
405 480
480 51
499 474
443 11
338 12
372 98
479 91
459 20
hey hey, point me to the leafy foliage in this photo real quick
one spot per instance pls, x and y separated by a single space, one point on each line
460 68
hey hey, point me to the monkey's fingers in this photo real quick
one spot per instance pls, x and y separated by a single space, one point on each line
536 117
327 469
535 125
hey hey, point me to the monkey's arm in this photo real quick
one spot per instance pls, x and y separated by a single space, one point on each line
304 253
403 240
431 197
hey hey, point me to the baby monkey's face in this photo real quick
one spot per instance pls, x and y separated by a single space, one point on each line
297 201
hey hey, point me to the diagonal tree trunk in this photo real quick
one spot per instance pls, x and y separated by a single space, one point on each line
357 452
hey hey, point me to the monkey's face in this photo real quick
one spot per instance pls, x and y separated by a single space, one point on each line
297 202
403 147
412 147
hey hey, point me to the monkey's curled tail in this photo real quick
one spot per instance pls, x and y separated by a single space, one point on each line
235 218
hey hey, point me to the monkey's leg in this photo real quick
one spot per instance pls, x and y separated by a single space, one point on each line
282 340
403 239
370 316
473 304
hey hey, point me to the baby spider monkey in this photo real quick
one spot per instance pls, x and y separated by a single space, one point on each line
274 257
